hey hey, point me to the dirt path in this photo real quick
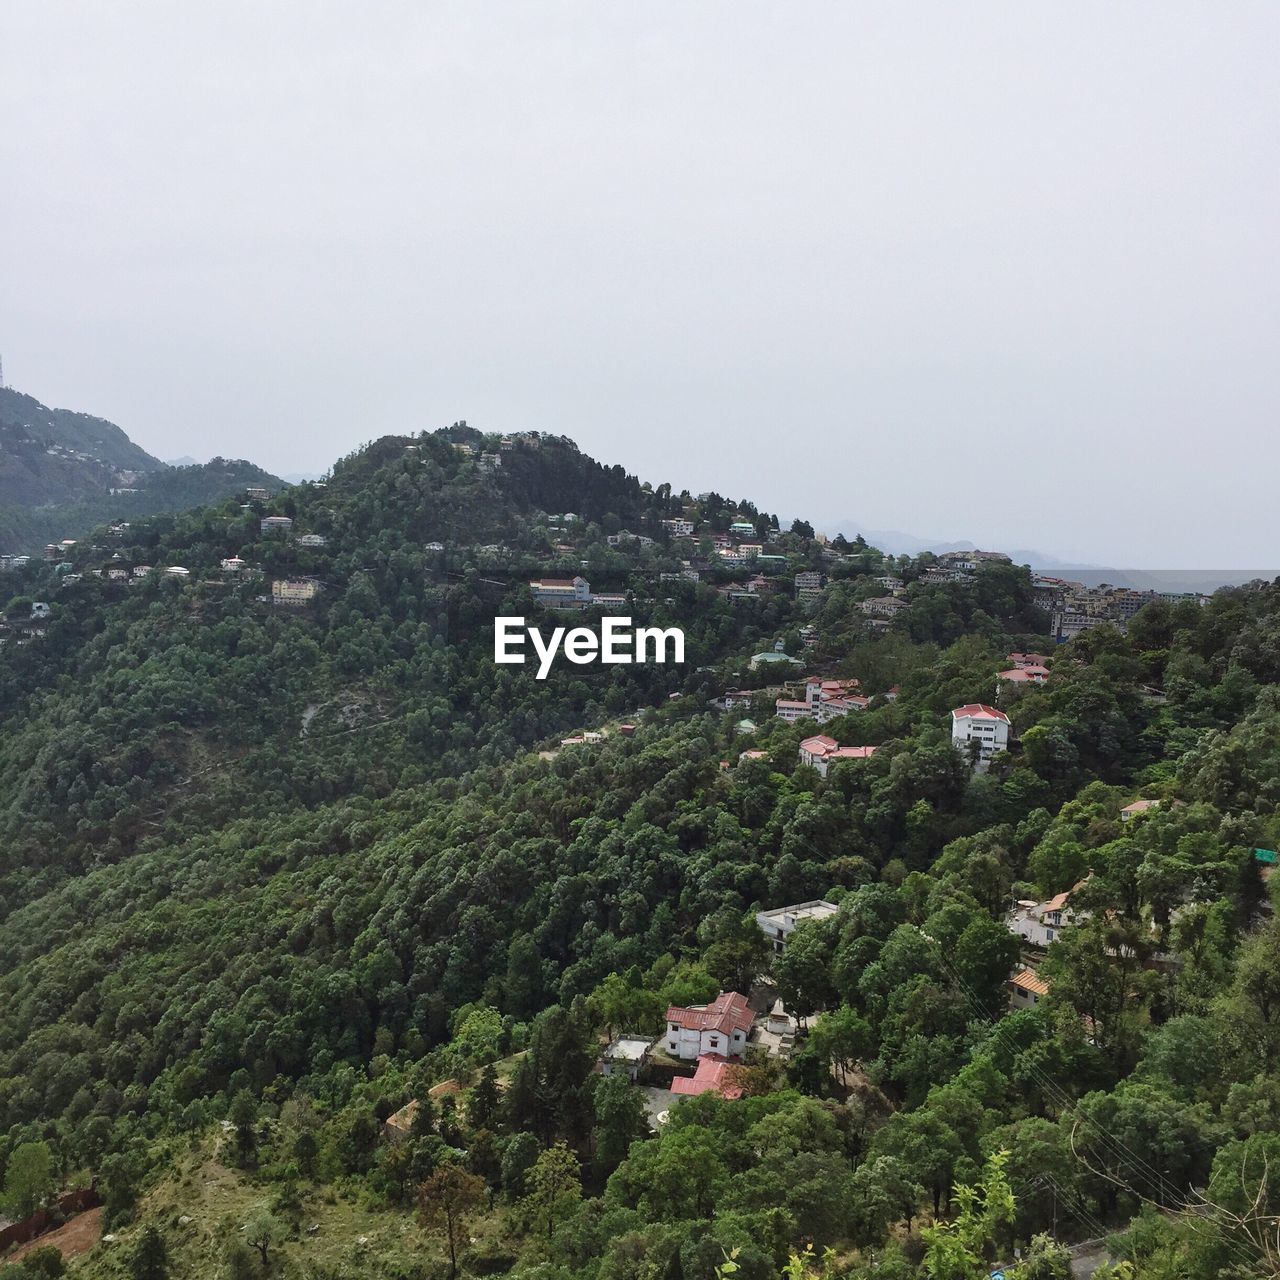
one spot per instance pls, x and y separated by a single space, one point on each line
74 1237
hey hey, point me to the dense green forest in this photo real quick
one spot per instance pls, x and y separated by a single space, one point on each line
267 876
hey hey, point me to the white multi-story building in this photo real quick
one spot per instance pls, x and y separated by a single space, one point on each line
977 722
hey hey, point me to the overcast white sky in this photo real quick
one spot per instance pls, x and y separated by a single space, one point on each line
1003 271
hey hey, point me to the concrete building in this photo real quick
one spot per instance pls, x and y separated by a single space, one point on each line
780 923
294 592
626 1056
821 751
978 723
561 593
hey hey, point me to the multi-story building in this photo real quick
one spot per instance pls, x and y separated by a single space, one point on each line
978 723
809 586
294 592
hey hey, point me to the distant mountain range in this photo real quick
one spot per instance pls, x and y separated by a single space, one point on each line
895 542
62 473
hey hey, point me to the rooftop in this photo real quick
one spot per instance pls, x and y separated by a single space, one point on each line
978 711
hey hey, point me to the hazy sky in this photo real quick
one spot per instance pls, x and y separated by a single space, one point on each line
1003 271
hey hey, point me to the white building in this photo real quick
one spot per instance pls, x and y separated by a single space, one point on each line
977 722
626 1056
780 923
232 564
883 607
311 540
678 528
275 524
722 1027
790 710
1039 923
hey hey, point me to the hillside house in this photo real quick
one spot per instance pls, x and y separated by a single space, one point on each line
722 1027
1031 674
1131 811
311 540
1026 989
1028 660
808 586
712 1076
626 1056
232 564
561 593
821 751
883 607
839 705
679 528
276 524
978 723
742 528
772 657
294 592
790 710
1039 923
780 923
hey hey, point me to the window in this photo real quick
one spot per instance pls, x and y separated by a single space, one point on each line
714 1042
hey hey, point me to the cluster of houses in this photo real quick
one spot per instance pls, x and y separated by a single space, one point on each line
1074 608
825 699
284 524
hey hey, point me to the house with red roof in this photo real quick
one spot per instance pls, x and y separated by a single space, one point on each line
821 750
722 1027
1039 923
712 1076
978 723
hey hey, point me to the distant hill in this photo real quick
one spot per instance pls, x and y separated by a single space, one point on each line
55 455
62 473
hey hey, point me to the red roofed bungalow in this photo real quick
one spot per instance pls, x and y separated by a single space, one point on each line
710 1077
719 1027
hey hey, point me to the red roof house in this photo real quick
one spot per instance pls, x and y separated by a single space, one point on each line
710 1077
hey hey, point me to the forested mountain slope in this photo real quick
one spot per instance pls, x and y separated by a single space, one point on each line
62 473
213 915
